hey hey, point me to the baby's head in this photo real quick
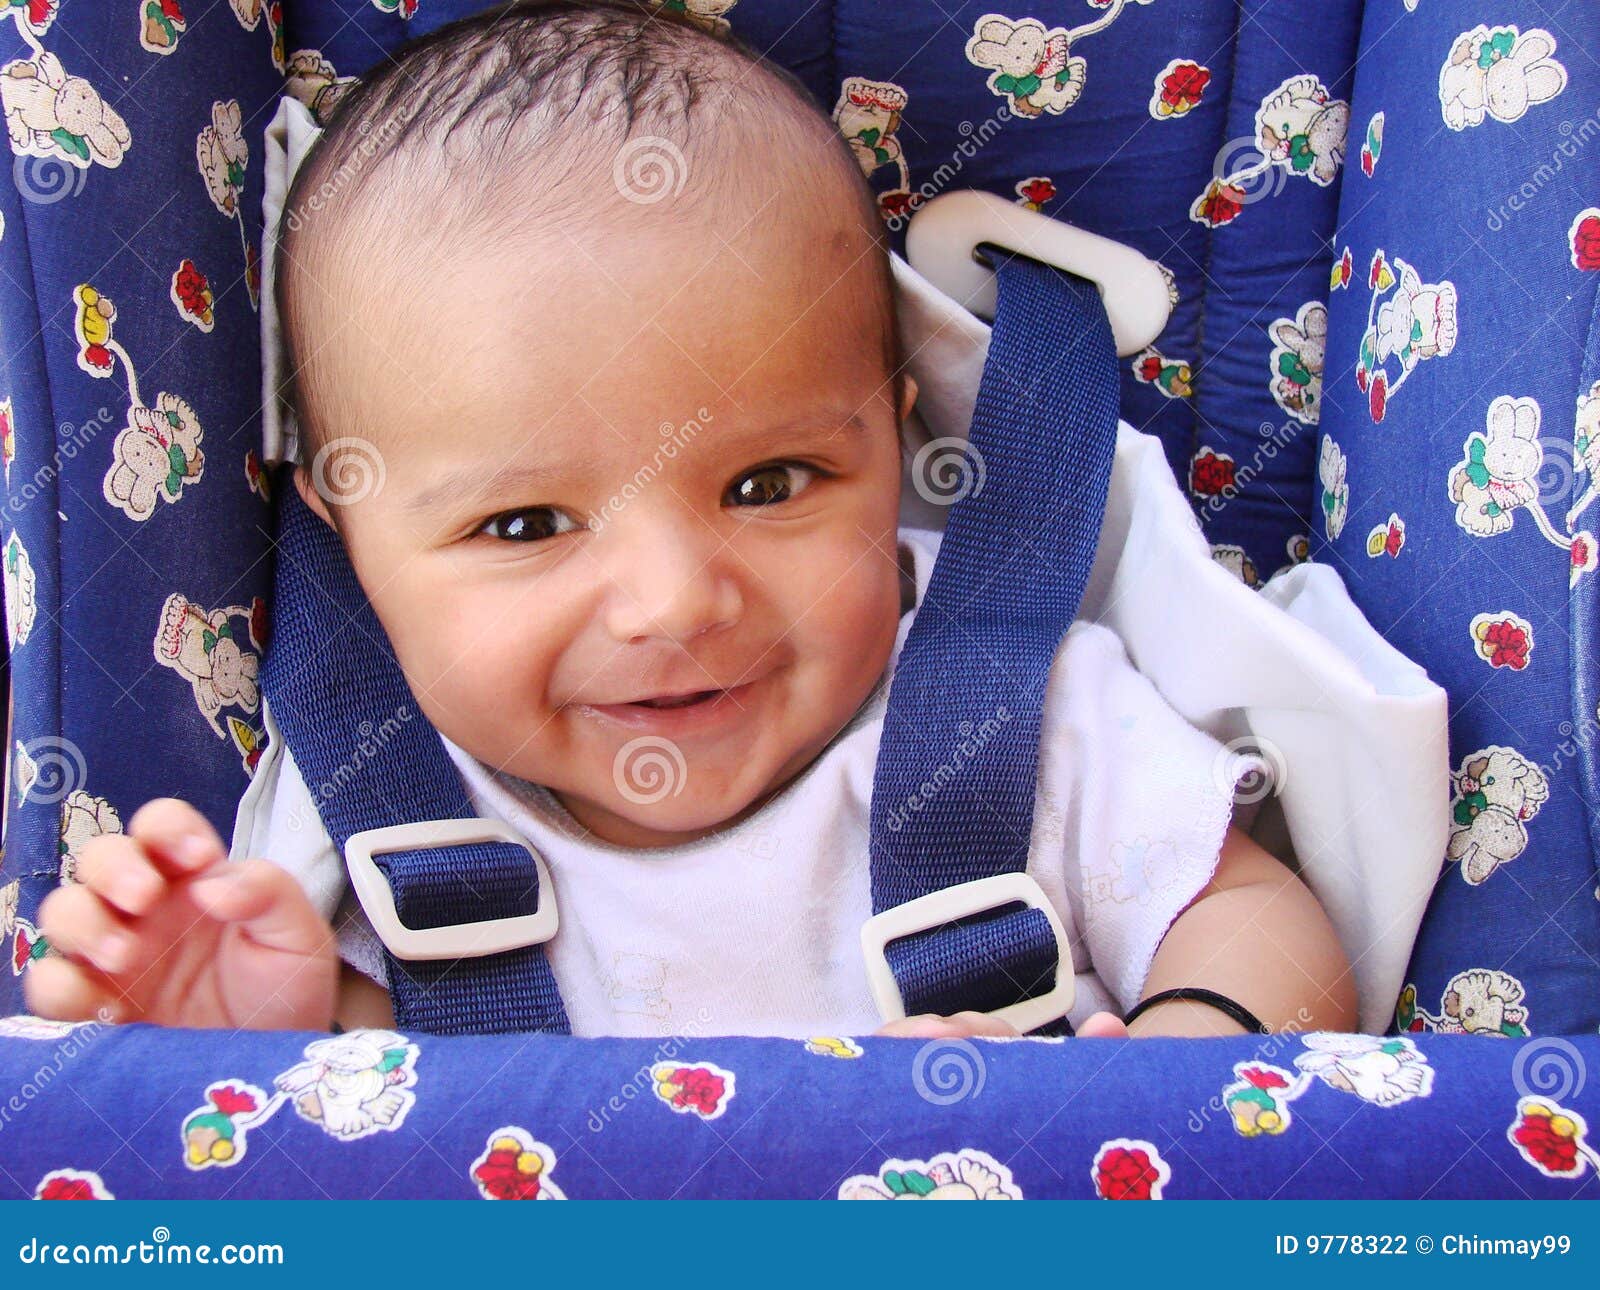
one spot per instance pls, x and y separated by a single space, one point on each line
591 324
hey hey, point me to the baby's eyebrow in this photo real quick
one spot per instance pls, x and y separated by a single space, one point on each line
474 483
469 483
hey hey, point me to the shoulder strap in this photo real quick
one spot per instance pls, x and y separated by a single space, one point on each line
954 787
372 760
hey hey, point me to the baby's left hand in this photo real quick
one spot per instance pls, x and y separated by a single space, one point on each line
929 1025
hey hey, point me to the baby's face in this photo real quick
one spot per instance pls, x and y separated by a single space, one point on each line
636 467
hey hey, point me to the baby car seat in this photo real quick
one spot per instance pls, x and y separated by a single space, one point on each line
1214 140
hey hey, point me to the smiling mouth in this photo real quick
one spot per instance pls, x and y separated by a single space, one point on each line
681 701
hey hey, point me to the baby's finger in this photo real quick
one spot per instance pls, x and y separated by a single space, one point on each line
266 902
81 925
180 839
930 1025
1103 1025
117 869
66 991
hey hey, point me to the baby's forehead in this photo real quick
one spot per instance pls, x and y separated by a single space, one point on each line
694 161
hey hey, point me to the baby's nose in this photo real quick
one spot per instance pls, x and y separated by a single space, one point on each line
672 585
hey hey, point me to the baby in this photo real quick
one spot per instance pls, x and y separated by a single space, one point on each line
524 253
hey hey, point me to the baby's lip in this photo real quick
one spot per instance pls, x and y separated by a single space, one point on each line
675 694
669 692
715 712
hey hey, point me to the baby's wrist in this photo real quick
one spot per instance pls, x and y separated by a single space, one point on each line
1185 1019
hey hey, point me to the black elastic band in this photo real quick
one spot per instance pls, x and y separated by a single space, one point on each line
1194 994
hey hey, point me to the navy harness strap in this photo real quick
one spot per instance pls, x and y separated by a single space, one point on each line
334 685
953 792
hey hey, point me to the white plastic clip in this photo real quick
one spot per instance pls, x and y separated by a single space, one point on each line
945 906
942 243
456 940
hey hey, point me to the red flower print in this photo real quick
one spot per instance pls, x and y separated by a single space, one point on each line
697 1088
1549 1138
192 289
1183 86
1263 1077
1506 644
1583 553
1378 396
509 1172
1586 241
1038 191
1210 473
1126 1174
260 624
66 1186
895 205
1150 368
1222 204
232 1101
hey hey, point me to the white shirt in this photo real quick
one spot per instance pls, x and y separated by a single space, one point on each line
755 929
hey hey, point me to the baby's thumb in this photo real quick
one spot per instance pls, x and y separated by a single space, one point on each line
266 903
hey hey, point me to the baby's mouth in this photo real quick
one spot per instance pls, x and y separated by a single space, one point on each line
681 701
702 712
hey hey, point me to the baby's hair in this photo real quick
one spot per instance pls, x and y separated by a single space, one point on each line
495 125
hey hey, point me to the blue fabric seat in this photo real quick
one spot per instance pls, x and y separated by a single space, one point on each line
1412 194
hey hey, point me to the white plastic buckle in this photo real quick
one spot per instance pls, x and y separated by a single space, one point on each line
942 243
945 906
456 940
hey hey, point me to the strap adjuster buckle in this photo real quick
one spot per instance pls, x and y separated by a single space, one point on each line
454 940
959 901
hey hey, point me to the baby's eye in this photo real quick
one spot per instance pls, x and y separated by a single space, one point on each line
530 524
767 485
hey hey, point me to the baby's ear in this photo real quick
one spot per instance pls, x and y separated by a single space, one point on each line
908 395
307 488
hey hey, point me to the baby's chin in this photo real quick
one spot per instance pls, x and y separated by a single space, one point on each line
672 821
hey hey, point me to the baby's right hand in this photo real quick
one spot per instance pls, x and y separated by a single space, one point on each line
161 927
